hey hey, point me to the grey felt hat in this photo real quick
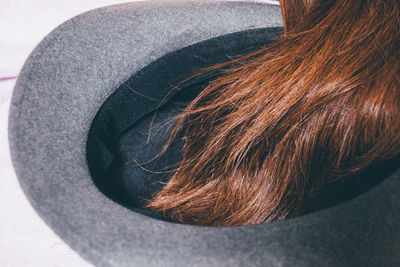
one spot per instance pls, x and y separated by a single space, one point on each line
63 84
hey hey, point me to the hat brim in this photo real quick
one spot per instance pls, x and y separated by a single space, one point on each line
65 81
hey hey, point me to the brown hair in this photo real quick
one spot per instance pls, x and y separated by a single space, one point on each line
284 124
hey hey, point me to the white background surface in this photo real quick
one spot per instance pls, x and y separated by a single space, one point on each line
25 240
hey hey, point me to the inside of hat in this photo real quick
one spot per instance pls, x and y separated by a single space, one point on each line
135 168
133 124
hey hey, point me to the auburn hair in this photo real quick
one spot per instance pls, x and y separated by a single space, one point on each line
286 125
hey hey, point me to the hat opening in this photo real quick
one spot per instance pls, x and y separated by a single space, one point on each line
133 124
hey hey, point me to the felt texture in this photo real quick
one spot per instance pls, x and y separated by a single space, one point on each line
58 92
